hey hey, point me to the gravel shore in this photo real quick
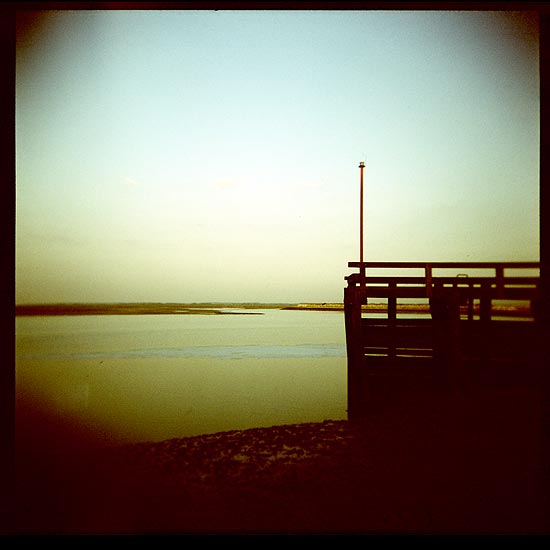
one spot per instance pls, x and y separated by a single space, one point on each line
444 465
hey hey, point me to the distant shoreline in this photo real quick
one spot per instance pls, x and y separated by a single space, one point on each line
512 310
37 310
137 309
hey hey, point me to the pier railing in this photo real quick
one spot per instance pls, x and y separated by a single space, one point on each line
461 323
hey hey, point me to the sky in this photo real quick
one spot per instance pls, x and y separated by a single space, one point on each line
212 156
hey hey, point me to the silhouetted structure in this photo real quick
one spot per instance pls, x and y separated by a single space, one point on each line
459 344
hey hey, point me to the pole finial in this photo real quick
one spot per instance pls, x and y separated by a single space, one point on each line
361 164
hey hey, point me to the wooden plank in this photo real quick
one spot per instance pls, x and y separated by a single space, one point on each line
462 281
447 265
400 365
420 323
507 293
401 350
475 335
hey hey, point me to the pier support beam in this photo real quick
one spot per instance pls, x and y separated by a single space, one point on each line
357 390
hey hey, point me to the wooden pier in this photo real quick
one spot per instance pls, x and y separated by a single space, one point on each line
460 343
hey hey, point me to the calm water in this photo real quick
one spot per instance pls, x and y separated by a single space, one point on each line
155 377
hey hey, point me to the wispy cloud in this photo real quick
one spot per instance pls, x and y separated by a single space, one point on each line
131 182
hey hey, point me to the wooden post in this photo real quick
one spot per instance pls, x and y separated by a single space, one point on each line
499 270
470 303
428 276
485 303
445 311
457 374
485 321
354 343
392 320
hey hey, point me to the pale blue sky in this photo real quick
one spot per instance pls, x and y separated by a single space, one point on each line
212 156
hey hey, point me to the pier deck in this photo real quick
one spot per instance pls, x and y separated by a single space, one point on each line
460 343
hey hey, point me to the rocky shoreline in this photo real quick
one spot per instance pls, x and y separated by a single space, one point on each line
444 465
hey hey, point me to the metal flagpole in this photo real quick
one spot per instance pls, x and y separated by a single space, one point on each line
361 269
